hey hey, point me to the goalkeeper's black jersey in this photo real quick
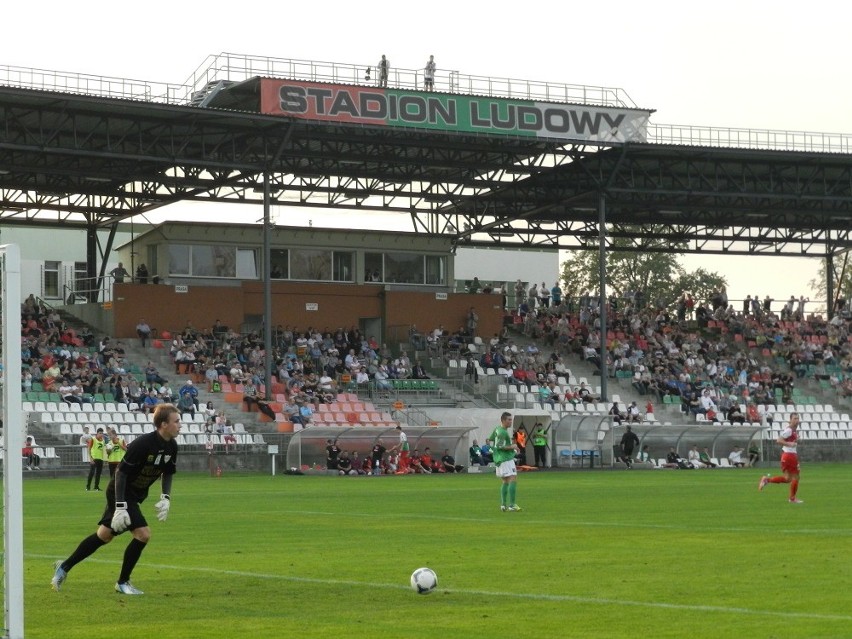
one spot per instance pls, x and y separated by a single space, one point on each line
148 457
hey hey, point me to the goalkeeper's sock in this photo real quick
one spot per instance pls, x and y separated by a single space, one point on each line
513 487
86 548
131 556
504 494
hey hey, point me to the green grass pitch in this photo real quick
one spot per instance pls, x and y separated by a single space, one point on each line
593 554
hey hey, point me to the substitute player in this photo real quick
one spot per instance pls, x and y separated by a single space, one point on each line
148 458
403 451
789 440
504 452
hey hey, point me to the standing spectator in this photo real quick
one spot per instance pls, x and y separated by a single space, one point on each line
332 451
540 446
544 296
504 458
119 273
377 454
97 455
148 458
86 443
429 74
115 451
403 450
472 321
789 441
520 293
143 331
142 274
555 295
384 70
628 442
520 439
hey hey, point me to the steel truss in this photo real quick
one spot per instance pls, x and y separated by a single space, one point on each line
91 162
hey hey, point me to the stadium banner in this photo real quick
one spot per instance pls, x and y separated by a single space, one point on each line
447 112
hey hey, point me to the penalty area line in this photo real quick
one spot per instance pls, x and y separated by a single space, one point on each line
598 601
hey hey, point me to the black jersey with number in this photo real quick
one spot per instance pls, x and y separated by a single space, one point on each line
148 457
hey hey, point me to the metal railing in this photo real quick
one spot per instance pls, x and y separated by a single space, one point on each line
232 67
689 135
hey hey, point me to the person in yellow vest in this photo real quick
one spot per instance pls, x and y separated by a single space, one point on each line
540 446
97 456
115 450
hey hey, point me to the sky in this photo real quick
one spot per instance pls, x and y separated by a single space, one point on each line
746 64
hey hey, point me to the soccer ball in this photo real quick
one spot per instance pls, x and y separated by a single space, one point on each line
424 581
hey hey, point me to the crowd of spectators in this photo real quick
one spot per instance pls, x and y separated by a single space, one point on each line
708 357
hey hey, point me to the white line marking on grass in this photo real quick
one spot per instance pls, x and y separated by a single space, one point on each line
599 601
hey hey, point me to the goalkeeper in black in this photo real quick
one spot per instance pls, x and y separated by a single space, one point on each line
149 457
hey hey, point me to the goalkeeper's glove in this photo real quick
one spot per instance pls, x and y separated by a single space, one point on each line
162 507
121 518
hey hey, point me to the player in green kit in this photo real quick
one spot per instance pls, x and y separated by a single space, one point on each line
504 459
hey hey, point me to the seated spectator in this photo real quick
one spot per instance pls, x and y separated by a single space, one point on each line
186 405
475 455
417 371
190 388
615 412
736 458
150 402
152 375
344 464
487 455
753 453
167 394
264 407
735 415
694 458
249 395
427 461
704 458
228 437
28 451
209 414
673 460
448 463
416 464
633 414
585 394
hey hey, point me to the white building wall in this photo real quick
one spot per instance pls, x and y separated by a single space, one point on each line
66 246
507 265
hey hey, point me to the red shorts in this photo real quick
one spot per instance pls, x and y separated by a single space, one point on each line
790 463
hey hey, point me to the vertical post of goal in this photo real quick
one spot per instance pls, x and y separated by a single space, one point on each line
13 437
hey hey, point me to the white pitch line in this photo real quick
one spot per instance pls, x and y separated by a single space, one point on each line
487 593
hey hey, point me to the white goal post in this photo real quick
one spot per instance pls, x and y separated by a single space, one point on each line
13 441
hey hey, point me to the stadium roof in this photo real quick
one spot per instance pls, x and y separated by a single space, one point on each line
91 161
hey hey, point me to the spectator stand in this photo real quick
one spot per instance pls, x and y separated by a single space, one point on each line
306 450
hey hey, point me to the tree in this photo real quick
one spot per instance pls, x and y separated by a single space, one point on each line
653 270
842 263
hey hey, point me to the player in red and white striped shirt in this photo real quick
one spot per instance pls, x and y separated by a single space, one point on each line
789 440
